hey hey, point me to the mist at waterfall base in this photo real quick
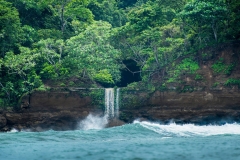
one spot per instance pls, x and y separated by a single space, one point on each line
139 140
93 122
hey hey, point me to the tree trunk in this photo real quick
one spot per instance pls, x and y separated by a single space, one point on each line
214 28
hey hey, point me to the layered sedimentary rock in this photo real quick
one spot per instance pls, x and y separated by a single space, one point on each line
49 110
3 121
64 110
195 107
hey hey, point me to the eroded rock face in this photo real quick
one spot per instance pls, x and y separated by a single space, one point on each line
49 110
64 110
3 121
195 107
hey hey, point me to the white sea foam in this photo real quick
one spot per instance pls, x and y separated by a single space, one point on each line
13 130
93 122
191 129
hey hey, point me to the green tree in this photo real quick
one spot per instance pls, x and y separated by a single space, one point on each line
90 52
51 50
126 3
35 13
52 53
202 16
20 74
52 15
69 11
10 27
163 46
233 19
108 10
152 37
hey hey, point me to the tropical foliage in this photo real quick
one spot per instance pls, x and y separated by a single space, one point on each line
55 40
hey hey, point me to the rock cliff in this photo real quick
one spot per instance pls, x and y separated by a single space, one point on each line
194 107
64 110
49 110
207 96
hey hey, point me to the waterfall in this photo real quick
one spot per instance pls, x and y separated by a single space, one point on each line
117 102
109 102
111 111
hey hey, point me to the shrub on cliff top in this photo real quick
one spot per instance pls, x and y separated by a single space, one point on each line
220 67
104 77
232 81
187 65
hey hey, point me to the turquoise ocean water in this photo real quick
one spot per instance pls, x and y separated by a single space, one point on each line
136 141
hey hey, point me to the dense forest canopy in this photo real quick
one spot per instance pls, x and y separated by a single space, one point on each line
90 40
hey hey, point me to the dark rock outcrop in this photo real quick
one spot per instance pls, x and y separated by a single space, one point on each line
3 121
50 110
64 110
195 107
115 122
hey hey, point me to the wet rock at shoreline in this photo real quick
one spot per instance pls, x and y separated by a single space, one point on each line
115 122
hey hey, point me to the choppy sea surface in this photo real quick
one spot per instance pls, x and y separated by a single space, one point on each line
136 141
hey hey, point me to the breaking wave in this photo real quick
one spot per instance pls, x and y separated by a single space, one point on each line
174 129
93 122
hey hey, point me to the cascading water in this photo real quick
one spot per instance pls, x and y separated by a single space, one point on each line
117 102
111 111
109 102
